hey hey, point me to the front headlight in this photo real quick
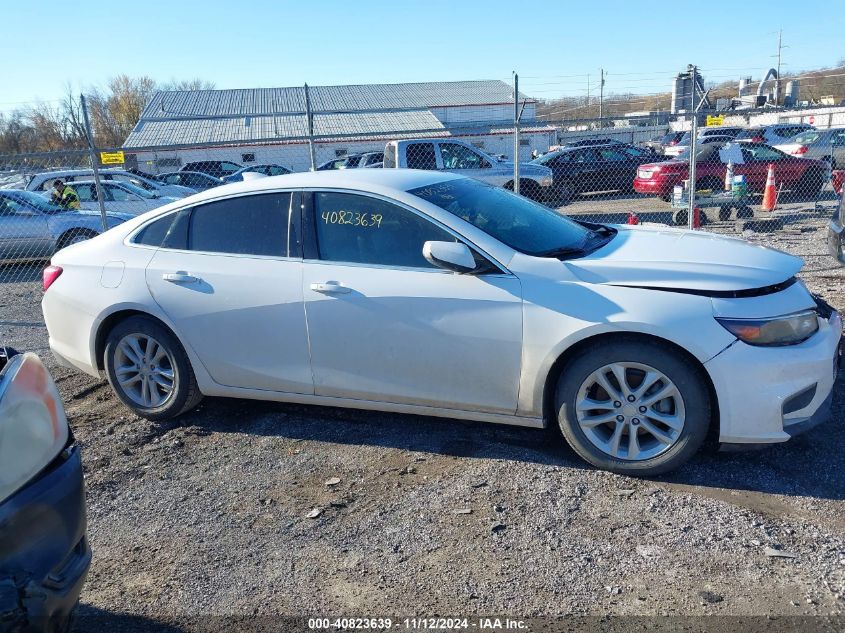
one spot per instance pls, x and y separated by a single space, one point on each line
546 181
790 329
33 427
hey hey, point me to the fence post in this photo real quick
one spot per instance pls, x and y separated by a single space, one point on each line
94 163
515 133
309 118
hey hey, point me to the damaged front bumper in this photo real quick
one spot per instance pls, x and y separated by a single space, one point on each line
44 553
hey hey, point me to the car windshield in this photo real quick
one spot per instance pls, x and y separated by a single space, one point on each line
805 138
137 190
710 151
32 200
545 158
523 225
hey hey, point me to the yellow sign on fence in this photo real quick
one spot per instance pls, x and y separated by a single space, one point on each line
116 158
715 120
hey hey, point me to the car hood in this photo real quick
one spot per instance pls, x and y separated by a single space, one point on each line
525 168
655 257
117 215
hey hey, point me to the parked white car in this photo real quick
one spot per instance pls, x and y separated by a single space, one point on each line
425 292
44 181
120 197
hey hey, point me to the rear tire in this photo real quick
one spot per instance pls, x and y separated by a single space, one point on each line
148 369
75 236
708 183
530 190
687 407
809 185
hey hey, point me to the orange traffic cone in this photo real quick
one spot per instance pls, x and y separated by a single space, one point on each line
769 194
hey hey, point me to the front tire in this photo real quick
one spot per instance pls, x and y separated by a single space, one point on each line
149 370
633 407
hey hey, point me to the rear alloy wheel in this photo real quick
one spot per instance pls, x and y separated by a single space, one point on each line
149 370
633 408
75 236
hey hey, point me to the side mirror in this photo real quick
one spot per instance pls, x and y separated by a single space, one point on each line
453 256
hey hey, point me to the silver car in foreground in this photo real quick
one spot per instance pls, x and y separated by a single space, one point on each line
32 227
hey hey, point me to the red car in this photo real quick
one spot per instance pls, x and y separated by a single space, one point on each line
800 175
837 179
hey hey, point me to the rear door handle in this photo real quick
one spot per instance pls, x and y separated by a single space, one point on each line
180 278
330 287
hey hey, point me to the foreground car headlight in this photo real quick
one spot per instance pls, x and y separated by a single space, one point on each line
786 330
33 427
546 181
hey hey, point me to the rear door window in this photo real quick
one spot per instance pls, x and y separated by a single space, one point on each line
246 225
457 156
611 155
421 156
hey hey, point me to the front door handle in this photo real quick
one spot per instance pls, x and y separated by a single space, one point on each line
330 287
180 278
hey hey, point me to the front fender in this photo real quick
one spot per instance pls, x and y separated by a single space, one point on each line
568 313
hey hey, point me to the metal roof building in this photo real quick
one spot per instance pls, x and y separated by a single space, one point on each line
363 115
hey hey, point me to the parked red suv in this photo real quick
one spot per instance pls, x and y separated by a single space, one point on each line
800 175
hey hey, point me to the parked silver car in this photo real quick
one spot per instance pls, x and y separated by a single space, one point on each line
122 197
32 227
826 145
44 181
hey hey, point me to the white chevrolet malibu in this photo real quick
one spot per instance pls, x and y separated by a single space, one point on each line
430 293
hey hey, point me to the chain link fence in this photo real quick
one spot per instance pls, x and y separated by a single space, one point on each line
766 173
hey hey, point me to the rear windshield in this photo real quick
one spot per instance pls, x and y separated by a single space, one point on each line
750 133
806 137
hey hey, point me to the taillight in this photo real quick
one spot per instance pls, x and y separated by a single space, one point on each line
50 274
798 151
757 139
673 142
33 427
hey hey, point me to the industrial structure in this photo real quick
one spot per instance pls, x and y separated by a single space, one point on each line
273 125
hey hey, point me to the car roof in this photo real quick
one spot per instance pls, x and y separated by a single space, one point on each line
363 179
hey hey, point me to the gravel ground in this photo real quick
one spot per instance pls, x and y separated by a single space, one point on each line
243 508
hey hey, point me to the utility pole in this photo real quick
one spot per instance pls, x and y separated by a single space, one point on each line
588 94
777 79
515 133
601 96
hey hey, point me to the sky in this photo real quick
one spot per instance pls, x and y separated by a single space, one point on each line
553 46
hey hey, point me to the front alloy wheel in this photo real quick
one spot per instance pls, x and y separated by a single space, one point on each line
630 411
633 405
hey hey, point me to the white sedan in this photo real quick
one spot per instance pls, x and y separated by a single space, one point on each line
431 293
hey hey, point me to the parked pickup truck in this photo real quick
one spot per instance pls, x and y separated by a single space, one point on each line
535 181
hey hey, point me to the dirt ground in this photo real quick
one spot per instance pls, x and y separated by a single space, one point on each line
214 514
